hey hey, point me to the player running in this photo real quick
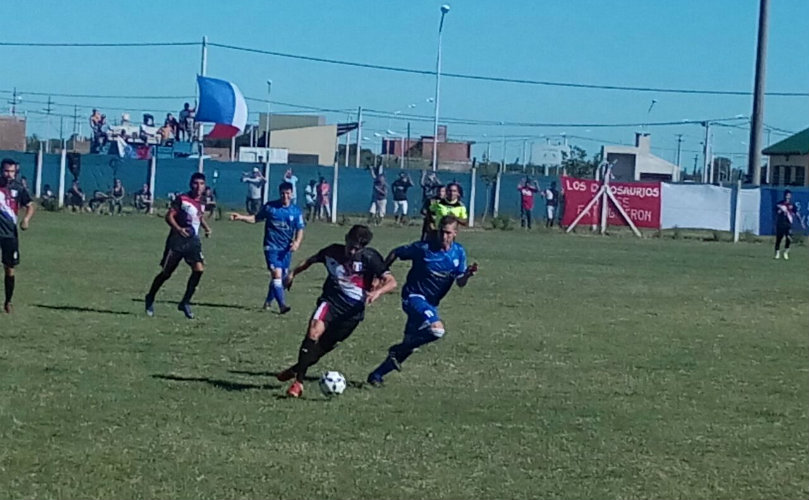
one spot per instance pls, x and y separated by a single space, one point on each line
785 213
13 195
357 276
283 234
183 243
437 264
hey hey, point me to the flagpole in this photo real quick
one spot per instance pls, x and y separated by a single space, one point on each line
202 71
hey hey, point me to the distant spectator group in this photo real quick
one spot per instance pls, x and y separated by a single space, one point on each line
147 133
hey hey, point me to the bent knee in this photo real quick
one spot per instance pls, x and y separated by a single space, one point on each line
437 329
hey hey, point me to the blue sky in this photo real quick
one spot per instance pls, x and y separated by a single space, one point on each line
706 44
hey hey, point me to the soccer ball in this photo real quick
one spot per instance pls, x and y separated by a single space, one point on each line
332 383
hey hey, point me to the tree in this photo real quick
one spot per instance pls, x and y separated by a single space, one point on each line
577 165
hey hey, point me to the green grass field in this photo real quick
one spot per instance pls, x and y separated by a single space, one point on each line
573 367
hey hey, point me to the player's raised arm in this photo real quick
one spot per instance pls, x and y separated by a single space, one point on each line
386 284
235 216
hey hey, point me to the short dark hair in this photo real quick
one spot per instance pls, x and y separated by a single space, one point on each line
7 161
448 220
285 186
197 176
359 235
786 191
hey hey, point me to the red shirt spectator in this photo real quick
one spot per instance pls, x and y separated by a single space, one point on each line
527 192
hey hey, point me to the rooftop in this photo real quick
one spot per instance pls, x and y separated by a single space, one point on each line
797 144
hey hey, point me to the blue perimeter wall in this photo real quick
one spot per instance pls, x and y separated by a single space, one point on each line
354 189
770 196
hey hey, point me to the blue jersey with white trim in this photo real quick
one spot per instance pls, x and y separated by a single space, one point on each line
280 224
433 271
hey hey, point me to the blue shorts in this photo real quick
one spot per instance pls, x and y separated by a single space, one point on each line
278 259
420 313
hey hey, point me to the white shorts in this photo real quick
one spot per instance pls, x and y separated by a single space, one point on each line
378 208
550 211
400 205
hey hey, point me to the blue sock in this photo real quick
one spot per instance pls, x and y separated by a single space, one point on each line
386 367
278 290
270 293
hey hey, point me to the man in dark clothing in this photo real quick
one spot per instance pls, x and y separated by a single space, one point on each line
12 196
399 188
785 214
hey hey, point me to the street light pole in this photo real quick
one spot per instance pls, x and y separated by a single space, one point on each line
444 10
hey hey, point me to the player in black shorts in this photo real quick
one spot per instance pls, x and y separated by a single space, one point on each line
13 195
185 217
357 276
785 214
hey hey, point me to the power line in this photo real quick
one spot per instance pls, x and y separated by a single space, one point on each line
100 44
524 81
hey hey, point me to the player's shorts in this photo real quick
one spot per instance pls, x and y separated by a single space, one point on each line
10 250
550 211
400 206
420 313
277 259
782 230
179 248
338 327
378 208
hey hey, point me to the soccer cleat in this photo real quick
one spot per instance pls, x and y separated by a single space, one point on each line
185 307
267 306
375 380
285 375
295 390
777 255
284 309
786 255
8 308
149 301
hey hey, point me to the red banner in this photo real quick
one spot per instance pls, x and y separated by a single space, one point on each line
640 201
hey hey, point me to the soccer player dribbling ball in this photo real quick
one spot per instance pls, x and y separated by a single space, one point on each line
437 264
185 217
283 234
13 195
357 276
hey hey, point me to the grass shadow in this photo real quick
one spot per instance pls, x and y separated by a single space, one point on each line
82 309
226 385
308 378
203 304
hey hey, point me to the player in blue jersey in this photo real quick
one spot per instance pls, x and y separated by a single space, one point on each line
283 233
437 264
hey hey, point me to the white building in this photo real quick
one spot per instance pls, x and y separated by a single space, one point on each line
637 163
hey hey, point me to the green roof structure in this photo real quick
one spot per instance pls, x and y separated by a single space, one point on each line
797 144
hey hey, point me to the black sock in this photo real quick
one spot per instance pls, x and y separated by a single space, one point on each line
157 283
308 355
9 288
193 281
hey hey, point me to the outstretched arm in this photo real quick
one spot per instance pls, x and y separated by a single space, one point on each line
314 259
390 259
387 283
464 278
250 219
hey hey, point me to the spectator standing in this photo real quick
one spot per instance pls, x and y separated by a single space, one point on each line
528 190
255 181
551 196
785 214
208 202
292 179
310 195
399 188
144 199
117 196
324 195
186 124
429 189
379 199
170 129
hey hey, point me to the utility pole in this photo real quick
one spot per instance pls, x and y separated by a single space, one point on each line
706 151
48 111
15 99
75 119
679 143
696 160
524 162
757 118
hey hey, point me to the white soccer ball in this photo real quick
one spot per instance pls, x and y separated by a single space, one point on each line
332 383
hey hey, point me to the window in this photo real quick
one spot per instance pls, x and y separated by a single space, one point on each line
798 176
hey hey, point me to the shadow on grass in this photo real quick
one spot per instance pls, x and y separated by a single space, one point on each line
82 309
203 304
226 385
308 378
